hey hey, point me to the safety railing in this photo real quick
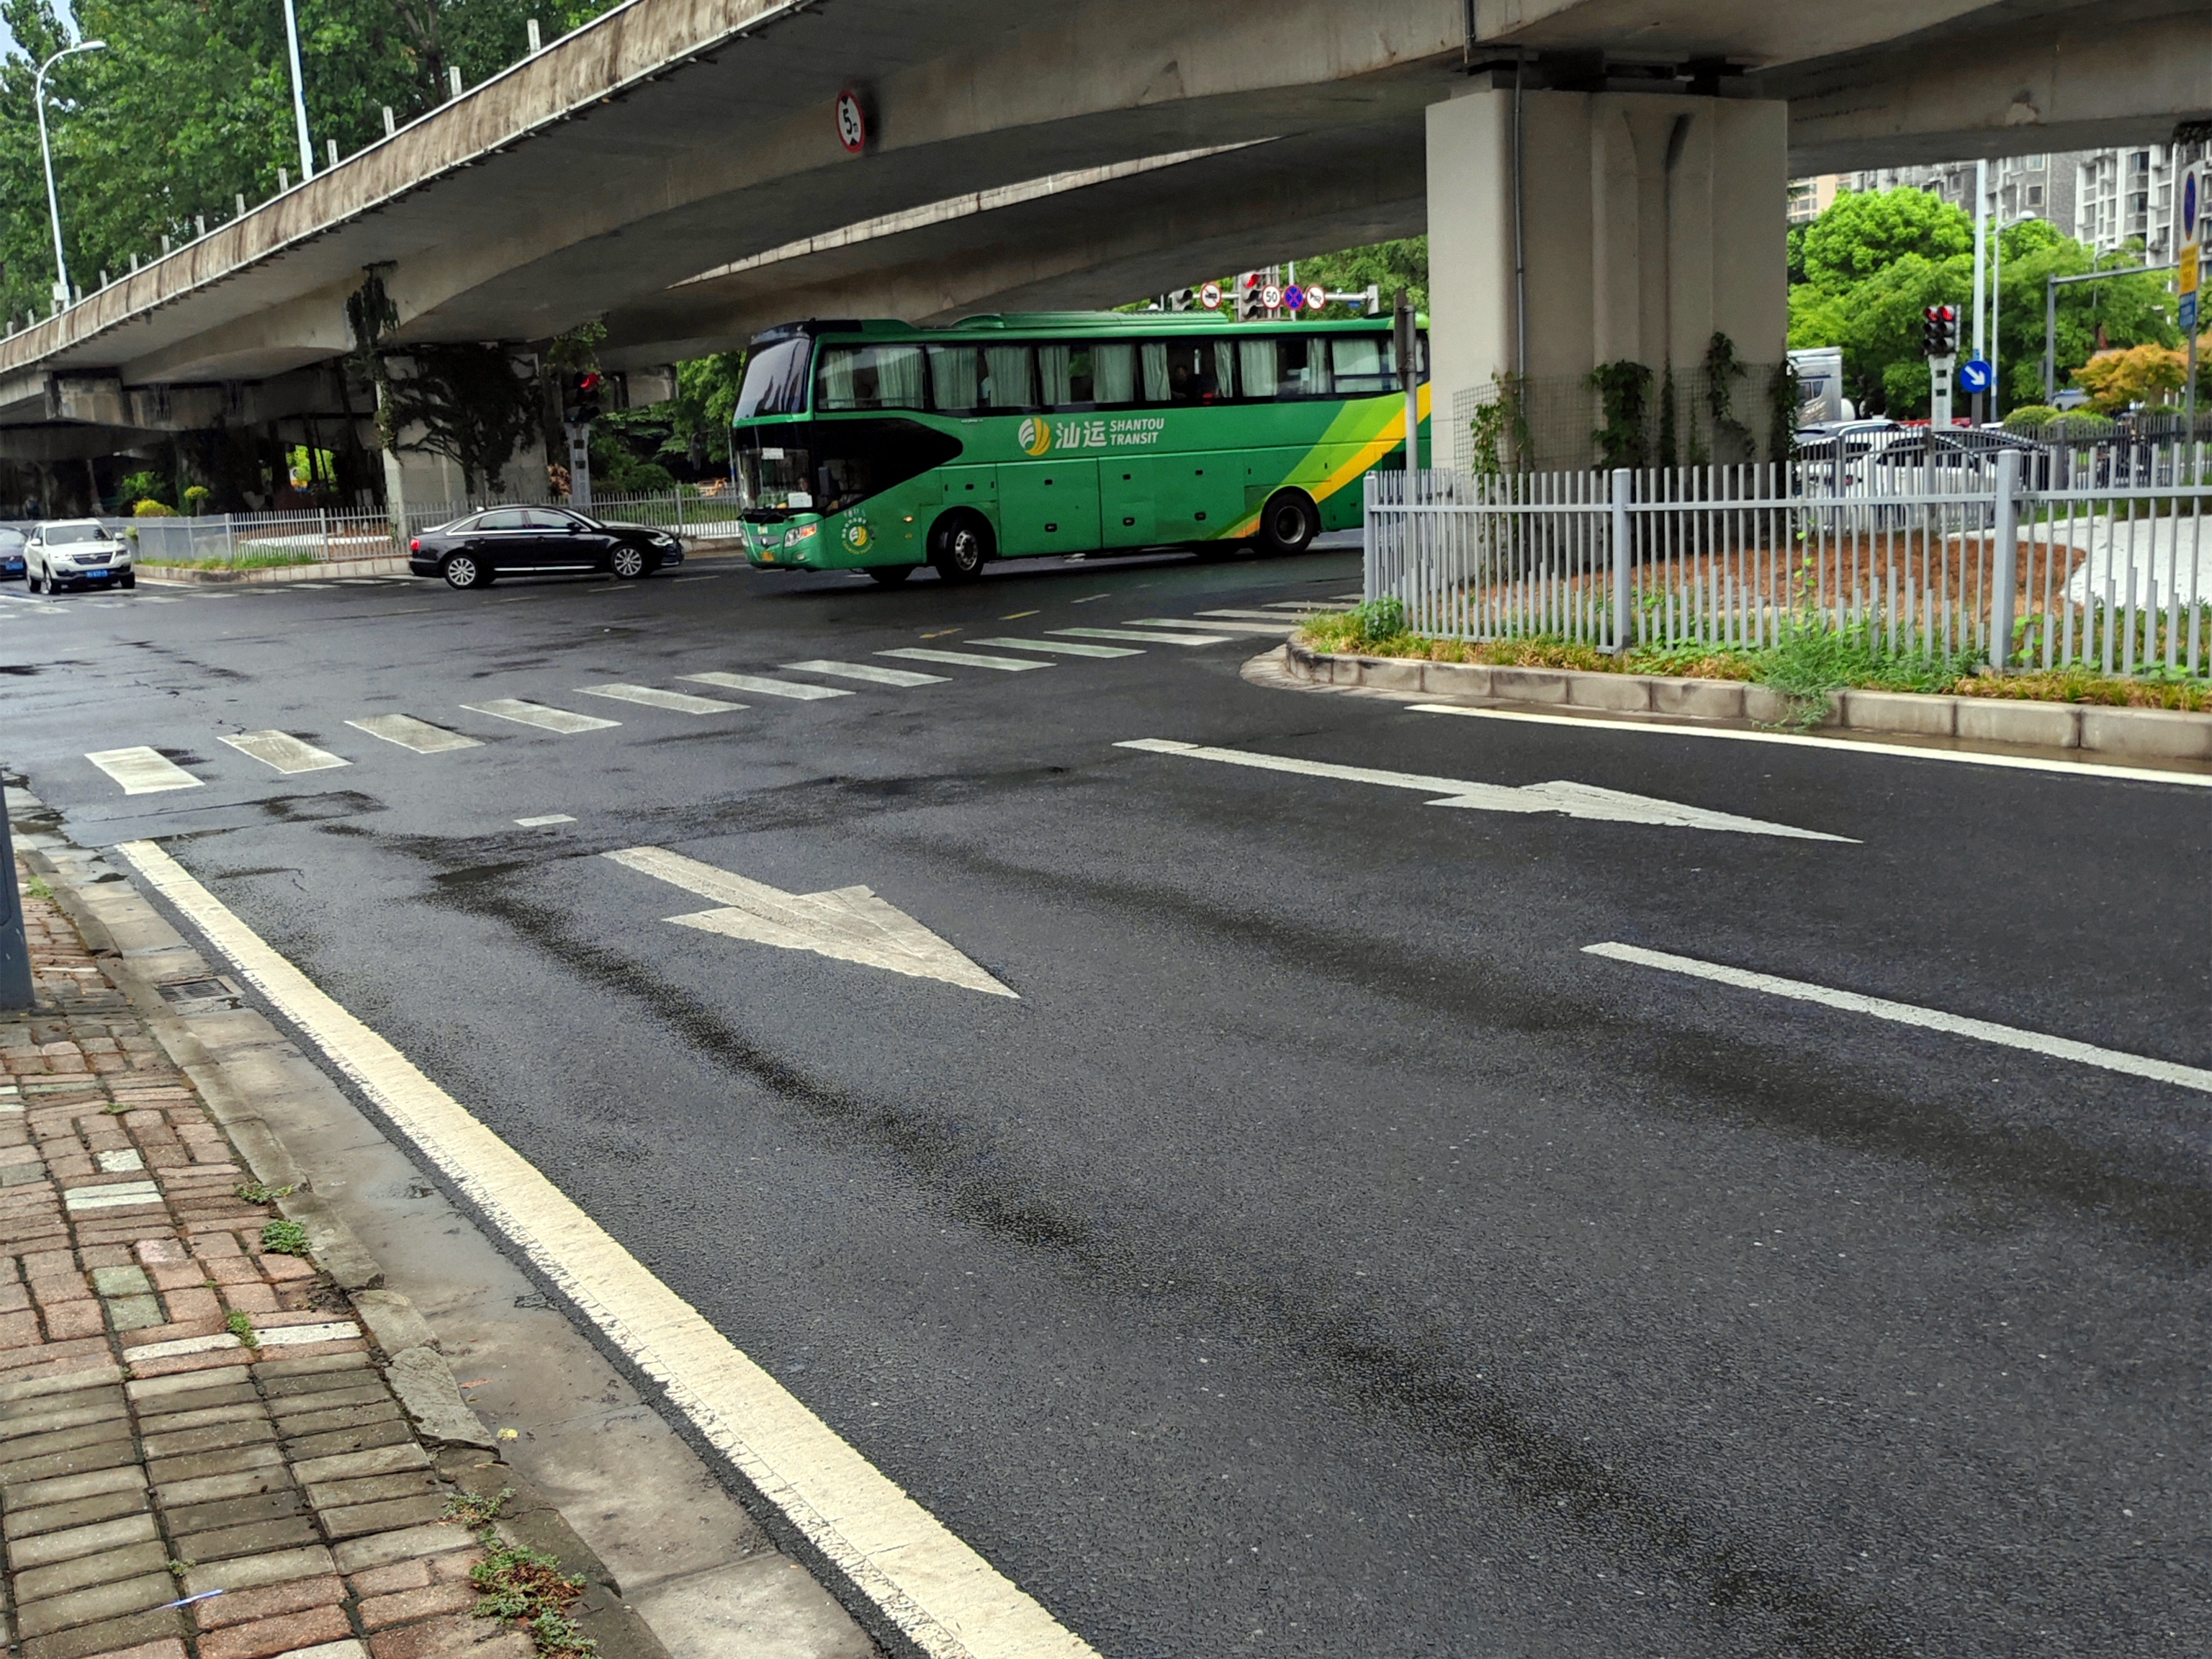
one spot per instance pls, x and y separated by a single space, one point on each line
2007 557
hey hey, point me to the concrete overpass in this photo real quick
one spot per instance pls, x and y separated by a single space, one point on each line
674 168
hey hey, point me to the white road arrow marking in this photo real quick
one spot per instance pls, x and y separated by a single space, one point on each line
849 923
1576 800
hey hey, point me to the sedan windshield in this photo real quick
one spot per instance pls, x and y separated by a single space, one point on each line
61 534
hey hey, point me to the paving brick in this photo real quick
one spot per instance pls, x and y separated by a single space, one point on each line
195 1305
242 1432
384 1459
243 1607
32 1447
101 1602
104 1408
184 1520
287 1633
248 1570
377 1611
351 1648
455 1634
95 1373
65 1320
371 1489
154 1388
254 1297
294 1372
34 1494
79 1512
171 1366
258 1539
298 1424
167 1648
368 1437
121 1281
354 1520
203 1410
378 1548
239 1483
22 1359
127 1634
231 1461
105 1455
85 1572
361 1393
411 1574
63 1544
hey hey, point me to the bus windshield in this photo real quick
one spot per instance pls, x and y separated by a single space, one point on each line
774 479
775 380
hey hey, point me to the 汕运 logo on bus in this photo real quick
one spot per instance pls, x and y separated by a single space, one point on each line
1034 435
858 535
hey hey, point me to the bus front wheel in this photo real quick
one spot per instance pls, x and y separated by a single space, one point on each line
960 546
1289 522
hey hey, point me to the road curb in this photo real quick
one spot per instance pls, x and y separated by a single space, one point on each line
193 575
2142 734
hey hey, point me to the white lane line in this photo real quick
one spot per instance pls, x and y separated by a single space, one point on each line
868 671
962 659
284 751
409 733
1274 616
1153 638
538 714
652 697
1063 647
945 1598
1892 750
768 688
1906 1013
544 819
143 771
1275 630
1575 800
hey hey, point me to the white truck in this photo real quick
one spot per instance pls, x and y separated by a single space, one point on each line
1820 386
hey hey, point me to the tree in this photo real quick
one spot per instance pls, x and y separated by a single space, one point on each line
2114 380
1389 265
1864 233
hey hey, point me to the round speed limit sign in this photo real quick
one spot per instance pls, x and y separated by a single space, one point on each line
851 123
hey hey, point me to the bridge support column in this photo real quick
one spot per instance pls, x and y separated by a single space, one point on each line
1644 224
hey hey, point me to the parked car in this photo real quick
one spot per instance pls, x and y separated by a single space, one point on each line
11 554
1965 458
77 553
471 552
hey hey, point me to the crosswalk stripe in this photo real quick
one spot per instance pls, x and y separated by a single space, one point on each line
1285 626
868 671
538 714
1153 638
284 751
768 688
1274 615
409 733
962 659
1305 604
143 771
682 703
1063 647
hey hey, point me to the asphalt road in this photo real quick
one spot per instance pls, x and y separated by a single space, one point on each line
1324 1255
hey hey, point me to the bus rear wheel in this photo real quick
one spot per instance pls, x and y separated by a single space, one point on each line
890 575
1289 522
960 546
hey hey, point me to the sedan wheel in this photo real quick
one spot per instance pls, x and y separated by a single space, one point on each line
46 582
462 570
627 562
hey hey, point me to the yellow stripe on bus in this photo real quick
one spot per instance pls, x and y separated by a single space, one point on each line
1359 463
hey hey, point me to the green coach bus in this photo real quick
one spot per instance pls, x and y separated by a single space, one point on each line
881 446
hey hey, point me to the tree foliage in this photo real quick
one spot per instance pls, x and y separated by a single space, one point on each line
2139 374
1863 272
1389 265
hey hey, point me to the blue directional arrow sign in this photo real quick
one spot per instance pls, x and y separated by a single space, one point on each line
1974 377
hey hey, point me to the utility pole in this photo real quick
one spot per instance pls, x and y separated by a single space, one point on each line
299 93
1981 260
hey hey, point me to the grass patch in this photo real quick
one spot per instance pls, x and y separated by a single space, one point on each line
474 1509
38 888
284 1238
2154 688
1812 660
264 561
242 1328
526 1587
254 1192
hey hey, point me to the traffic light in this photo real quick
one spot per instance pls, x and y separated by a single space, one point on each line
1939 332
1248 296
1182 299
579 395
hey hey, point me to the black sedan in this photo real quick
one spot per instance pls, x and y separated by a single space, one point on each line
507 540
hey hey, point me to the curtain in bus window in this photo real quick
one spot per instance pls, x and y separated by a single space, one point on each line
1303 367
1359 363
1156 371
1053 376
1225 369
1256 365
954 376
1113 373
898 377
833 387
1006 377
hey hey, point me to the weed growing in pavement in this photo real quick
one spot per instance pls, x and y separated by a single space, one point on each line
254 1192
1811 659
529 1588
284 1238
474 1509
242 1328
179 1569
38 888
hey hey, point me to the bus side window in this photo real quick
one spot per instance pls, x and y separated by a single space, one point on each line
1361 364
1064 373
1301 365
1007 380
956 377
869 376
1113 373
1256 369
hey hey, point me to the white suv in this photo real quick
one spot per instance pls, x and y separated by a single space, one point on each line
77 553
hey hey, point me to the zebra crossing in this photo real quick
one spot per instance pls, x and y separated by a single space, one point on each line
144 770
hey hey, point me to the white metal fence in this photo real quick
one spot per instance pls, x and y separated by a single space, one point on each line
317 537
2105 566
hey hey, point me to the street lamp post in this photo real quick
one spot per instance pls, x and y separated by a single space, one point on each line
299 93
1996 292
46 151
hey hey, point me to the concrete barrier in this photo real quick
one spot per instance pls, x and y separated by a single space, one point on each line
2146 733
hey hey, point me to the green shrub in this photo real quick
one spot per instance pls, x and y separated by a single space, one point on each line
2031 417
197 497
150 508
144 486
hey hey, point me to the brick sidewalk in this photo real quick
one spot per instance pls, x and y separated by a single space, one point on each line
167 1489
